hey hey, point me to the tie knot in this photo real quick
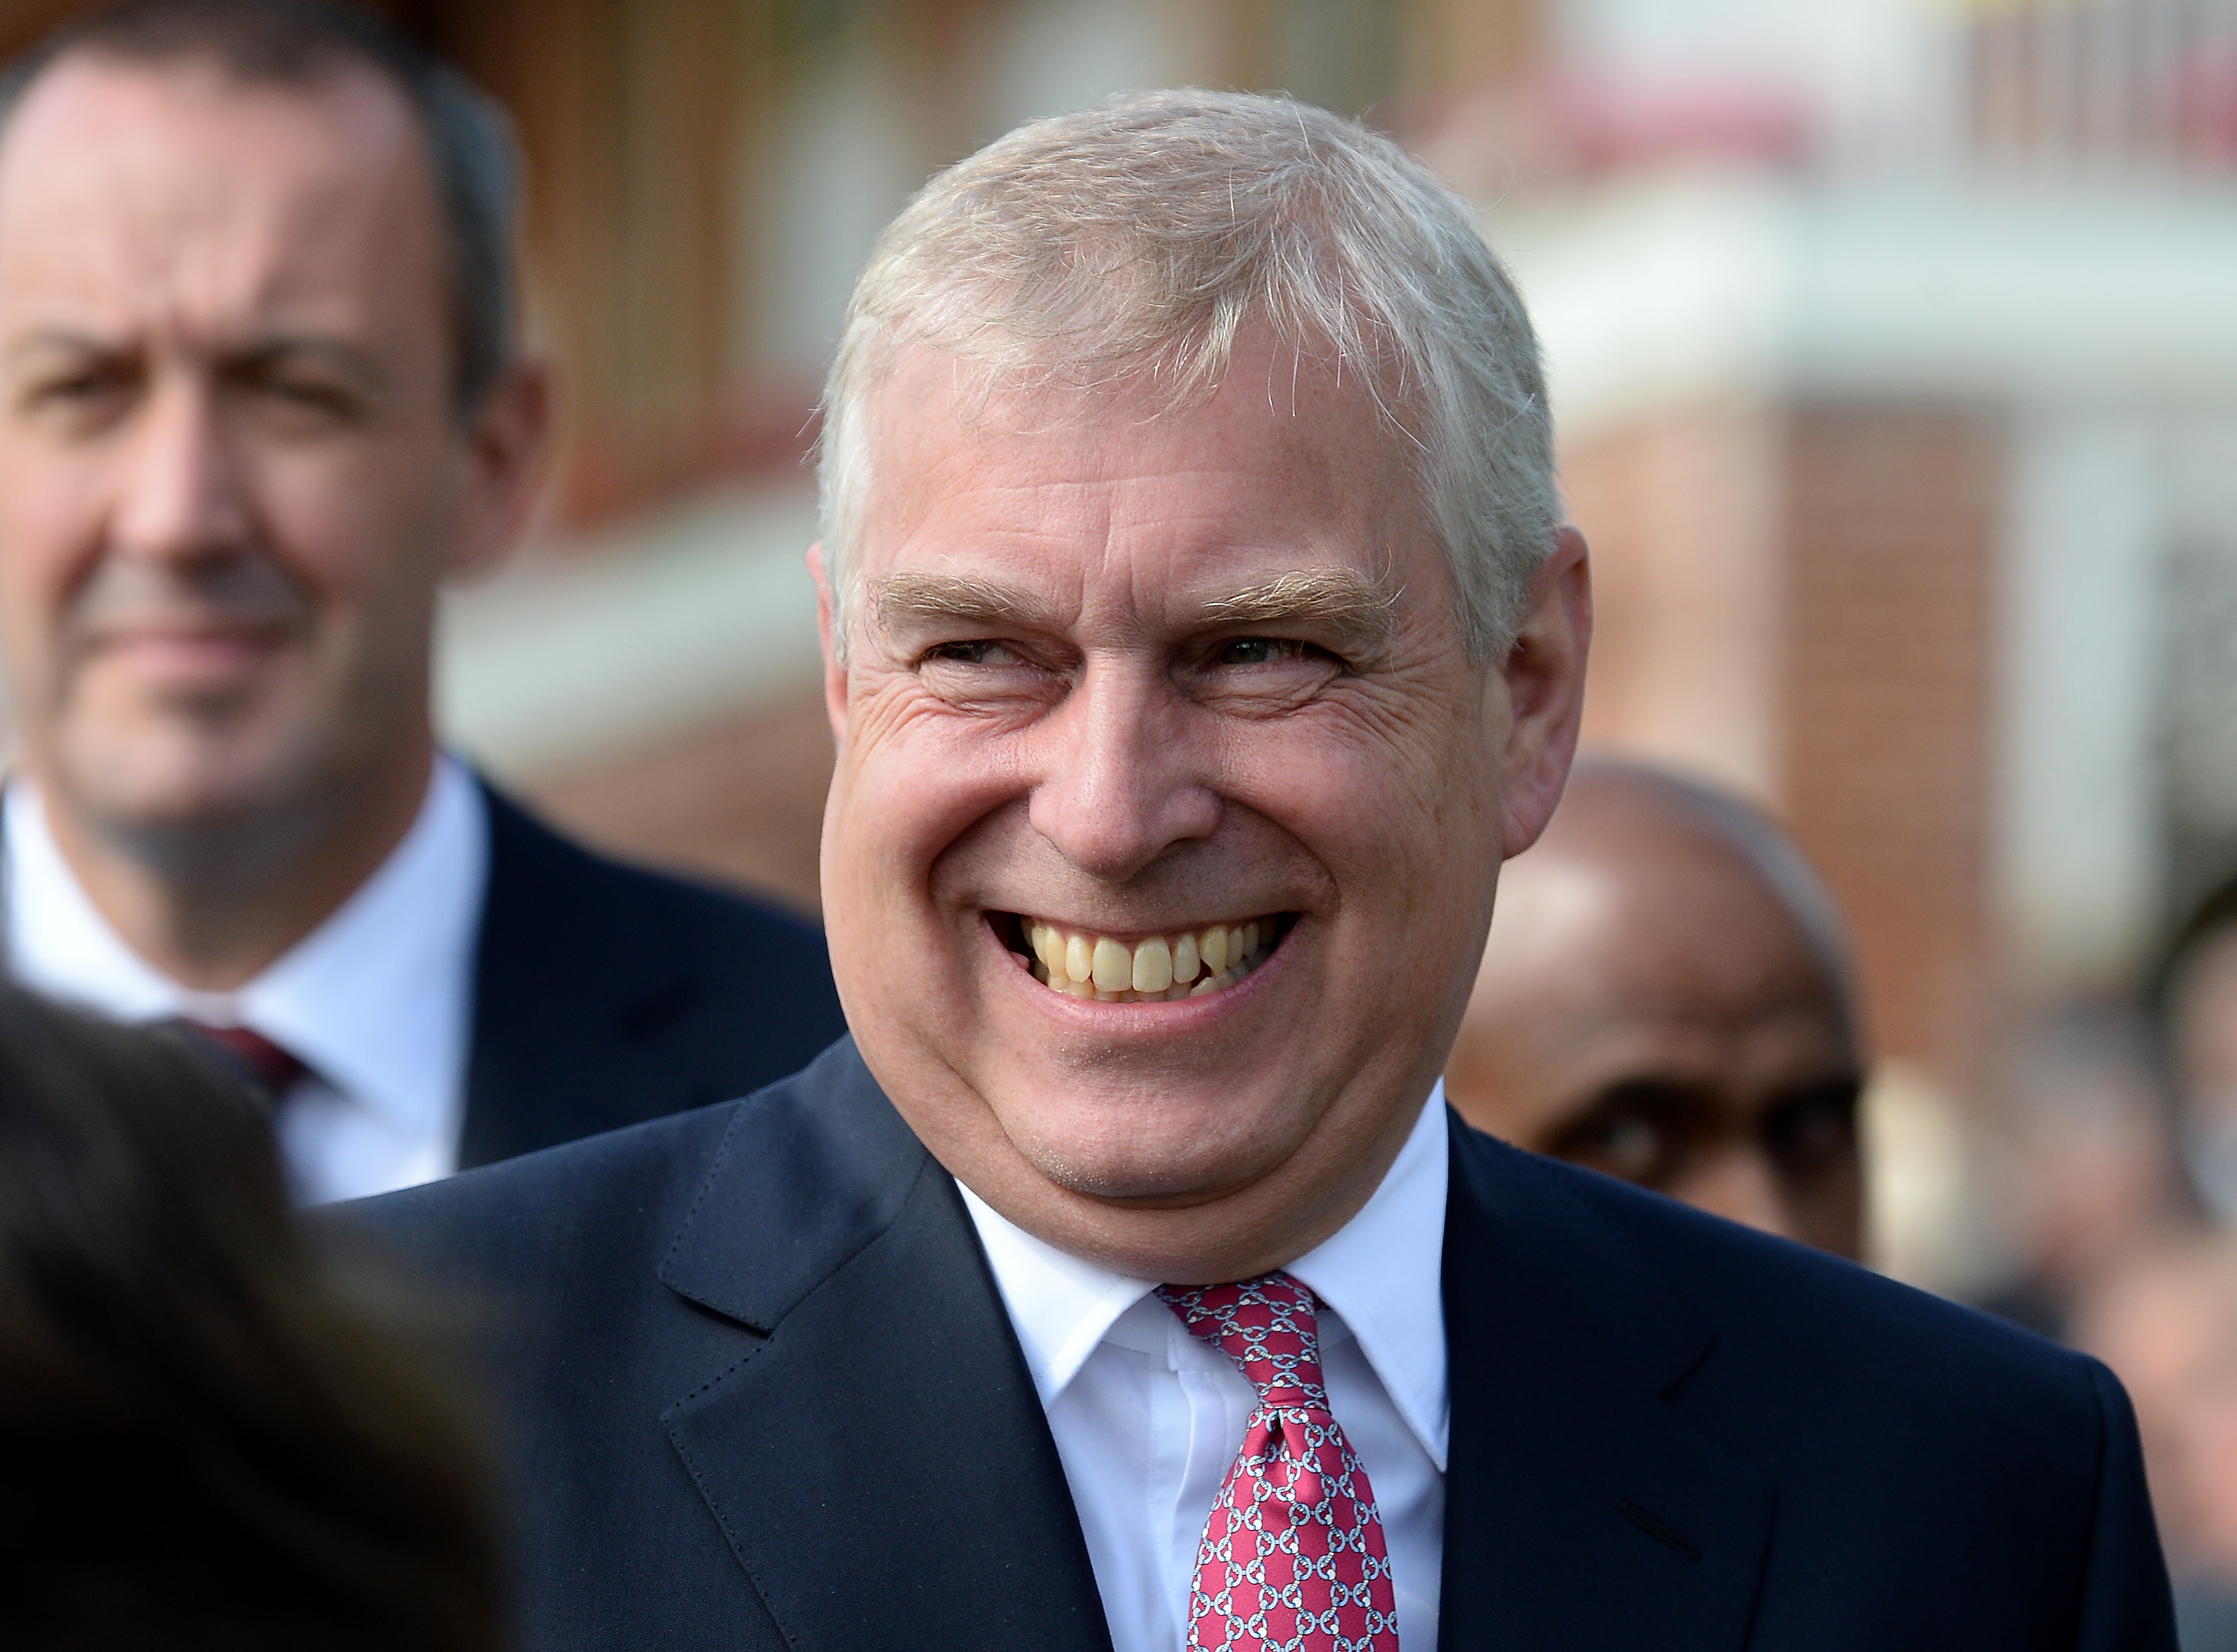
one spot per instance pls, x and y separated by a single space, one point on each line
1270 1326
270 1069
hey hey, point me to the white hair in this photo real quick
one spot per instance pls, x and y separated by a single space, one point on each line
1131 243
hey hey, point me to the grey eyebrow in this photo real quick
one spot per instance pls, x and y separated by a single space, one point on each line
1362 611
946 596
51 339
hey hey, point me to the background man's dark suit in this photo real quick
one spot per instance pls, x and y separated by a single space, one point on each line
606 994
766 1394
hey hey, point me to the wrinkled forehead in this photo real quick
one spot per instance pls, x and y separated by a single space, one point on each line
118 178
1283 468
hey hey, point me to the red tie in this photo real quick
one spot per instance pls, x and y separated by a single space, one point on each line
273 1070
1293 1558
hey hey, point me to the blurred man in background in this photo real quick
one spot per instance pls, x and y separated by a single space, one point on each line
259 397
2165 1319
2195 1000
1666 996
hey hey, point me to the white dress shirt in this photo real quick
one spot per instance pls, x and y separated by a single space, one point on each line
376 1001
1148 1418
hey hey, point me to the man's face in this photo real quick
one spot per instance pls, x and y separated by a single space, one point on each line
230 477
1125 687
1648 1007
2204 1027
2206 1030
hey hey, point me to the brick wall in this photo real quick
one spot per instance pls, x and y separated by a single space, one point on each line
740 802
1683 515
1800 601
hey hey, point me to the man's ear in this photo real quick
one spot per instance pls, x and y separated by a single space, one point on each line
834 671
1544 672
506 442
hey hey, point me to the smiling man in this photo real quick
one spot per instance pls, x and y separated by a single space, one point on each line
259 399
1201 634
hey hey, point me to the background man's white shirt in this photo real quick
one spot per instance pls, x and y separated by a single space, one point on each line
376 1001
1148 1418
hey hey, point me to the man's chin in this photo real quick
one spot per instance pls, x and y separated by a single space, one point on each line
1164 1165
180 786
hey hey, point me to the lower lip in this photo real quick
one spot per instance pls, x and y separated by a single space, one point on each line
1157 1018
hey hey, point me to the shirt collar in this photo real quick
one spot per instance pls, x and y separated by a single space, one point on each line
376 1001
1382 1272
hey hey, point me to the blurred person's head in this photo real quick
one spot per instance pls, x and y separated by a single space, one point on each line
1200 636
1666 996
2166 1321
2084 1166
259 397
204 1441
2193 996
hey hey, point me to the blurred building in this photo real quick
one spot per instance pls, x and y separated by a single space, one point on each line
1892 345
1898 394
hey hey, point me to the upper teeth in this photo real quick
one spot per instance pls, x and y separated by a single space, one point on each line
1186 965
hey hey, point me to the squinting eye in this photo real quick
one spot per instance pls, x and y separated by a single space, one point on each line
1259 650
301 398
77 390
975 654
324 397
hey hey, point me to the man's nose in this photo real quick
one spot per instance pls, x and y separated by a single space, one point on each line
1124 773
1736 1180
183 496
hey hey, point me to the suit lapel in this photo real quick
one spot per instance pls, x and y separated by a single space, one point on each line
877 1456
1582 1510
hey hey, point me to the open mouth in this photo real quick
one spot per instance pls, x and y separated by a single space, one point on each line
1157 969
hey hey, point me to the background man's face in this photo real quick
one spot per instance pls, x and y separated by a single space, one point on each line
1649 1007
1131 677
2203 1025
230 475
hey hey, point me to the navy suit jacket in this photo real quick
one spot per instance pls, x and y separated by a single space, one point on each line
606 994
763 1393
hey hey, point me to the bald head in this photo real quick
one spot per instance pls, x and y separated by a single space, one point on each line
1666 996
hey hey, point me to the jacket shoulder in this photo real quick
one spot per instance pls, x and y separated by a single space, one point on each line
1766 1299
1931 1464
814 1148
556 1214
1796 1359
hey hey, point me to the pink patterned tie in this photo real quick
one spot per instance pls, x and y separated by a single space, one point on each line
1292 1558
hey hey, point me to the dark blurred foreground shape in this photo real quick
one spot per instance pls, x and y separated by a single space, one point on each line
206 1441
1667 996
